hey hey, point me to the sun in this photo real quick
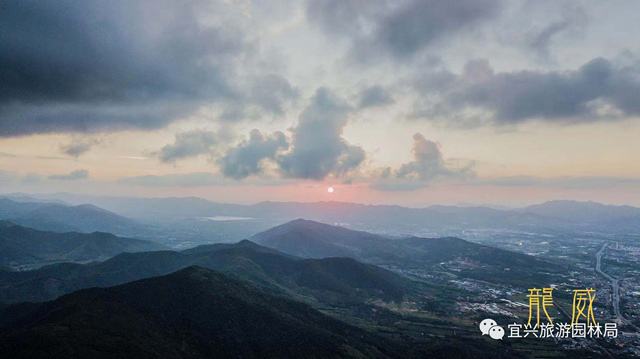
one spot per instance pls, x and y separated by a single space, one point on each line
330 189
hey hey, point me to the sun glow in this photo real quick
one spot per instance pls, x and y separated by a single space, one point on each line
330 189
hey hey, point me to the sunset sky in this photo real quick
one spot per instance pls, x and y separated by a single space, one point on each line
411 102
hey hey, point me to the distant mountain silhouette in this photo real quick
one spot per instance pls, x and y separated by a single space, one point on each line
616 219
59 217
25 246
326 280
193 313
22 197
591 215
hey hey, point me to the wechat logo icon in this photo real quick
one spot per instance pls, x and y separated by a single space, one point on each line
491 328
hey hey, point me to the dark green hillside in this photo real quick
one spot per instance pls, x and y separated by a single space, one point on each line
343 275
333 279
208 248
25 246
328 280
193 313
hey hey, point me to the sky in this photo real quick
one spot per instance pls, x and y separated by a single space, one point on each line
409 102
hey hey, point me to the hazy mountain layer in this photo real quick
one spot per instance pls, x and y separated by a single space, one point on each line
549 216
60 217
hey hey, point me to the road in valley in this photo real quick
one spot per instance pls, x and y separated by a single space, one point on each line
615 286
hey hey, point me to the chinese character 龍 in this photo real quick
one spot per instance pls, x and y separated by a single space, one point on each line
538 300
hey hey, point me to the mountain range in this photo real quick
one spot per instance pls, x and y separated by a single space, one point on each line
311 239
61 217
219 299
22 246
198 313
280 270
549 216
326 280
592 215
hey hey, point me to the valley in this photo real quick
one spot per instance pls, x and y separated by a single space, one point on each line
422 294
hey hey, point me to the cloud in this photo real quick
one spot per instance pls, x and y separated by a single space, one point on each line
428 165
6 176
263 94
428 161
374 96
32 178
318 149
397 29
564 19
13 177
557 182
271 91
540 42
598 90
51 158
191 144
75 175
92 66
345 17
195 179
246 158
79 146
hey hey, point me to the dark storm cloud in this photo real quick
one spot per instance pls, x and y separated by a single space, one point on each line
427 166
318 148
75 175
397 29
598 90
81 66
374 96
245 159
191 144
